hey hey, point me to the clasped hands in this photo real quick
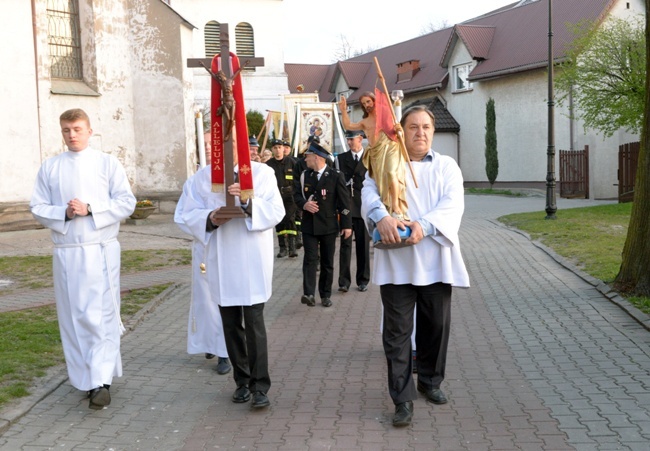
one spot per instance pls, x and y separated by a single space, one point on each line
389 234
76 207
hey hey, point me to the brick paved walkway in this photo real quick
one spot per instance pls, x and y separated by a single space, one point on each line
538 359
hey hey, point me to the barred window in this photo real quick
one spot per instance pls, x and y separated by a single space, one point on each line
245 42
212 41
64 40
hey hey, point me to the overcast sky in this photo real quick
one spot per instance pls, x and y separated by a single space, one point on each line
313 29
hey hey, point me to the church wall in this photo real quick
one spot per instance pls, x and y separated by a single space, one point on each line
163 115
19 125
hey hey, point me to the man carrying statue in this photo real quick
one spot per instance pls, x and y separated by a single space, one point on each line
419 272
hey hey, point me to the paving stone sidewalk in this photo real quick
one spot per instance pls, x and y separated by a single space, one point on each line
539 358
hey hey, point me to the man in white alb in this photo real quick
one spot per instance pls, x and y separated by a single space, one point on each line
82 195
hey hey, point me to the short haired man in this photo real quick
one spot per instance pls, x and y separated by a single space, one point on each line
419 275
320 192
351 165
82 195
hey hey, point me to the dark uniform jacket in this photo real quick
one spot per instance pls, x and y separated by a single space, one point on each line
284 176
354 173
332 197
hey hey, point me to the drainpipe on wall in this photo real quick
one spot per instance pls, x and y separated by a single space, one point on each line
38 101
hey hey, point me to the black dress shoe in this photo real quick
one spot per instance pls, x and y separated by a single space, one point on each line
242 394
327 302
363 287
403 414
260 400
308 299
434 395
223 365
99 397
209 356
344 289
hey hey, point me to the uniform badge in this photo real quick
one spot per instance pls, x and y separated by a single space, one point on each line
345 212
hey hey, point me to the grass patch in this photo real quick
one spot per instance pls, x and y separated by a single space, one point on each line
26 272
503 192
29 345
133 300
34 272
30 342
592 238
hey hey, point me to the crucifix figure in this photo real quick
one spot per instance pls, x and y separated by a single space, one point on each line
226 110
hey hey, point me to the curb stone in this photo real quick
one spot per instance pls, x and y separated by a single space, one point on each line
640 317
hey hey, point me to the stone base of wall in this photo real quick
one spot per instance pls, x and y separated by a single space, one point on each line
16 216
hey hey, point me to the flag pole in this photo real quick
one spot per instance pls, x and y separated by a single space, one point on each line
399 130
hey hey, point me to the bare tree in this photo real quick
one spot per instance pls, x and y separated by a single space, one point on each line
431 27
345 50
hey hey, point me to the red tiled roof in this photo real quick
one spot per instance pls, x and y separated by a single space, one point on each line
520 40
312 77
477 39
511 39
353 72
445 122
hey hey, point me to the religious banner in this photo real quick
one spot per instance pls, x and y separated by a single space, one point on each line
316 119
280 125
289 103
229 123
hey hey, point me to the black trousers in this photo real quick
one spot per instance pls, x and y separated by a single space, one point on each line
433 304
362 252
327 246
245 334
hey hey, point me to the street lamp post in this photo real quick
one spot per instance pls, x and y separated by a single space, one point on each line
551 208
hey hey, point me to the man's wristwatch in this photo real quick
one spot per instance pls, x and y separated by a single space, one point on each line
90 210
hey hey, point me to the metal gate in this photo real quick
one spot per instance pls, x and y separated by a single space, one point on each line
574 173
628 159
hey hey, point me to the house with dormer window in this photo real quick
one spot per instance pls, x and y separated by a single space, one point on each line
501 55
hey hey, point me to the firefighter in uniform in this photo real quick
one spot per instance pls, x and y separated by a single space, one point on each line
286 229
321 193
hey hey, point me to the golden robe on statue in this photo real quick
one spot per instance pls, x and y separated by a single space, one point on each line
385 164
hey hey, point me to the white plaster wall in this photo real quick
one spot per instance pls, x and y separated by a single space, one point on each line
521 118
140 103
446 144
264 87
110 112
162 107
19 125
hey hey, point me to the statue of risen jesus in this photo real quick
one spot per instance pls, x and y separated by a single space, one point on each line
382 158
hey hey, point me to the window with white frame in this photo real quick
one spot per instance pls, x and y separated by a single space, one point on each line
460 74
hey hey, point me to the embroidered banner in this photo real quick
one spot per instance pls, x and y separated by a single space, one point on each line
231 113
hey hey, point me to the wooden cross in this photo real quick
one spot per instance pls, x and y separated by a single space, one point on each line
229 177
